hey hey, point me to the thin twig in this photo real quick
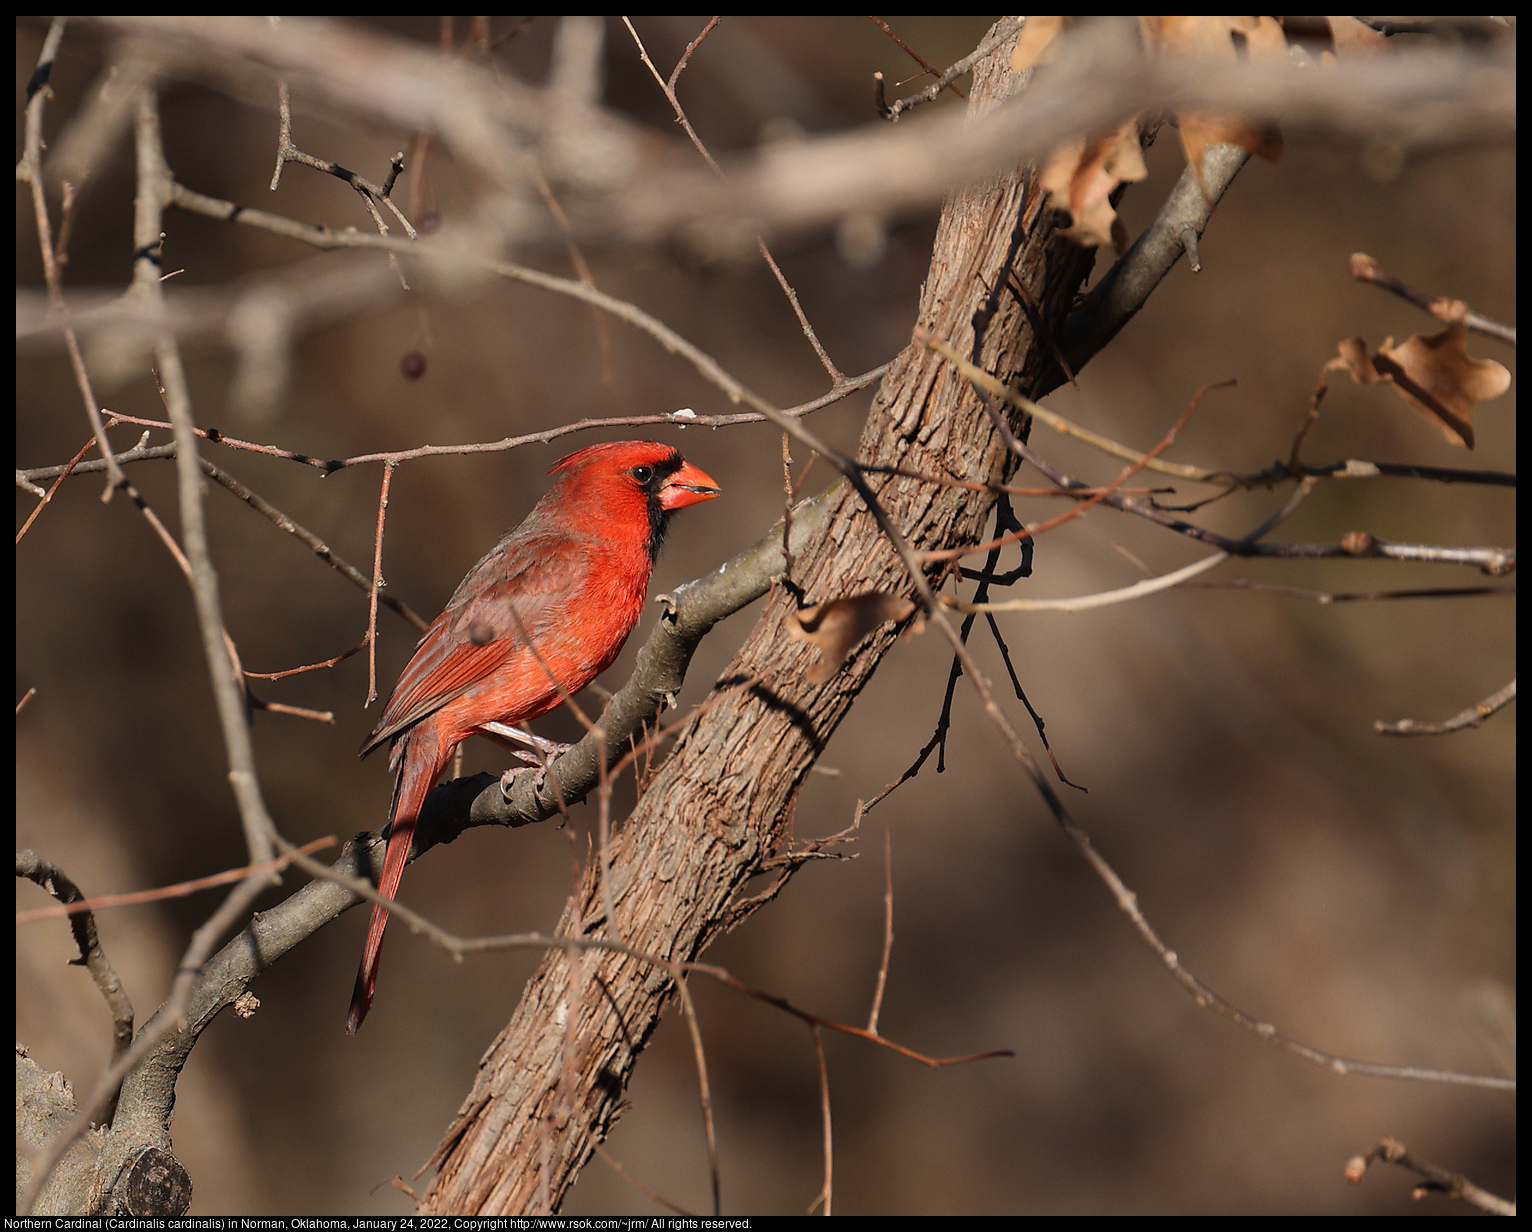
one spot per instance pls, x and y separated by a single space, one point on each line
1106 598
704 1093
915 55
1007 28
675 73
320 549
376 586
993 385
1442 307
836 375
827 1191
254 818
370 193
684 418
1355 596
54 487
30 169
1437 1179
93 958
297 712
616 1166
888 926
1100 494
1205 997
582 269
71 906
1461 721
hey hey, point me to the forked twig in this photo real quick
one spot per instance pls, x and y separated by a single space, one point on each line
1435 1179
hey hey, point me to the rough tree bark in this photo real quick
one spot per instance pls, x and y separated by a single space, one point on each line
550 1087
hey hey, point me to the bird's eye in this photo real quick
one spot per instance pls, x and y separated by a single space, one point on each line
643 474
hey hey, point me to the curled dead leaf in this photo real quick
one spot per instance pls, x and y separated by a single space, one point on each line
1433 373
1221 38
1080 177
1201 129
837 625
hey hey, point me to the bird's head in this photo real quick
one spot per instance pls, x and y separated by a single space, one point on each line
631 485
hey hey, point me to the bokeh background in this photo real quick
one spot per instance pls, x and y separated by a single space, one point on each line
1357 891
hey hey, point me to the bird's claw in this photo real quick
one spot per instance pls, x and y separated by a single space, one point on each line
534 767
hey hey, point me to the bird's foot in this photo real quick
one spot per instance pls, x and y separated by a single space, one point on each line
540 753
536 769
537 766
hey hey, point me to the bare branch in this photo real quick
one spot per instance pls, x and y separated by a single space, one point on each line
92 957
73 906
1436 1179
1004 30
1367 269
1085 603
1462 721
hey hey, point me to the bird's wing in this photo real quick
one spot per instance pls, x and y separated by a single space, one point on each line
536 577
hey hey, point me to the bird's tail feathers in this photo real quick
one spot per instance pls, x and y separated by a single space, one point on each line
417 778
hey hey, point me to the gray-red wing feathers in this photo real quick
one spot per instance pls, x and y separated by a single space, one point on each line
477 634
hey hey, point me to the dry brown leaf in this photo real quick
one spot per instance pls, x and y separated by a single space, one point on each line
1214 36
1353 37
837 625
1433 373
1036 44
1200 129
1080 176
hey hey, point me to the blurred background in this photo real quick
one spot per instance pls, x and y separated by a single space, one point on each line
1355 890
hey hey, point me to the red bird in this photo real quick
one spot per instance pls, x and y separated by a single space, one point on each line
559 594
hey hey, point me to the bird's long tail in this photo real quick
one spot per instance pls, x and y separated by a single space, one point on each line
420 764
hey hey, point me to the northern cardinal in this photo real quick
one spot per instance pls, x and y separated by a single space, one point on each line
571 580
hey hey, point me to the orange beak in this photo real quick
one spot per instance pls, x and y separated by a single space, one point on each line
690 485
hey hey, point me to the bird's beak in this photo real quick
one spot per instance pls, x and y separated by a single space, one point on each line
688 486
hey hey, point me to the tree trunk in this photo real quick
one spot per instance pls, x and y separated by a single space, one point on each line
551 1085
